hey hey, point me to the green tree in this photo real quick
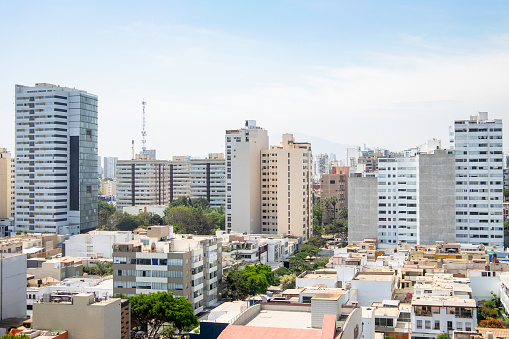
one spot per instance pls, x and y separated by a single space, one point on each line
317 241
309 250
283 271
11 336
102 268
155 219
153 310
317 214
506 227
252 280
288 281
443 336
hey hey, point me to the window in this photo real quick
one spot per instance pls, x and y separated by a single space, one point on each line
88 135
427 324
437 325
89 191
419 324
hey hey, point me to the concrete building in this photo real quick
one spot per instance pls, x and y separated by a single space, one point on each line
83 317
94 244
362 208
416 199
477 144
186 265
13 277
321 165
286 206
108 188
57 269
110 167
142 182
160 182
7 182
243 178
101 287
56 159
374 286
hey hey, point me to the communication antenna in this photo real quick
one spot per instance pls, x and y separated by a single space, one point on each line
143 132
133 151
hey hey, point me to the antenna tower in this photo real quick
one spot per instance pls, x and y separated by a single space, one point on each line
143 132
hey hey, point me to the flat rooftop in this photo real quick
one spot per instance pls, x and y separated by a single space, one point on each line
374 276
331 276
281 319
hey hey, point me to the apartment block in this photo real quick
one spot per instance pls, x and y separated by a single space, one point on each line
186 265
96 244
243 178
286 188
56 159
159 182
7 182
477 144
336 185
110 167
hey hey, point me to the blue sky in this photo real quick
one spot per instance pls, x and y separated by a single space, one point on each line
383 73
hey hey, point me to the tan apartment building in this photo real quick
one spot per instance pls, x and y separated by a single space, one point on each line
336 185
83 316
286 206
189 266
7 182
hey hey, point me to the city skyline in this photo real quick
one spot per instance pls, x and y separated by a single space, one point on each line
350 73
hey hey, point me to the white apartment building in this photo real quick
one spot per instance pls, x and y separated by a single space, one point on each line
95 244
186 265
159 182
477 144
7 182
56 159
442 304
110 167
243 177
321 165
416 199
286 182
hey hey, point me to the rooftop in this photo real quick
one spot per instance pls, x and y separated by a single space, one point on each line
281 319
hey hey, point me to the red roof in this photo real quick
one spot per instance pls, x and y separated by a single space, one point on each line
256 332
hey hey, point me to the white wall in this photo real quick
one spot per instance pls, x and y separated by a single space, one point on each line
13 286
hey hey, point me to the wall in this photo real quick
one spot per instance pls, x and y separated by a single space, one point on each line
362 208
13 273
437 218
482 286
352 329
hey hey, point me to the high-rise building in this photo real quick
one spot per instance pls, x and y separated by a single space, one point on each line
7 181
110 167
413 199
243 177
335 185
478 146
56 159
286 182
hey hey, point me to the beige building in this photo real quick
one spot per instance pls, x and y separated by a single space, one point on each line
187 265
6 184
82 316
286 206
243 177
108 188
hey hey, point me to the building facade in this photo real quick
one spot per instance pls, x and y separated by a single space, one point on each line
7 182
477 144
160 182
110 167
56 159
286 180
188 266
13 286
243 177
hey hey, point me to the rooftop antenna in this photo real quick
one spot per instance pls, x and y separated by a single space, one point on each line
133 151
143 132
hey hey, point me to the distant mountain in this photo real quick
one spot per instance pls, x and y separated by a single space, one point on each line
318 145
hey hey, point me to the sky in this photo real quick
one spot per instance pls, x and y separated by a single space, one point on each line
388 74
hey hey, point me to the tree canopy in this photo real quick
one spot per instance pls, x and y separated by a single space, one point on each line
250 281
153 310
